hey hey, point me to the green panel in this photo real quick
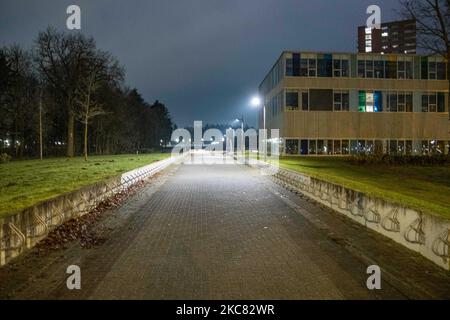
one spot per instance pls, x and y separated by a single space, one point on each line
354 63
362 101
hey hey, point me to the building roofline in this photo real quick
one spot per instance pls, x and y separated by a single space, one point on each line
359 53
393 22
271 68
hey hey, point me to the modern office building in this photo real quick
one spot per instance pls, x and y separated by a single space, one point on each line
342 103
394 37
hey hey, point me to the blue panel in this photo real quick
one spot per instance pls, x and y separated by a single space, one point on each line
378 101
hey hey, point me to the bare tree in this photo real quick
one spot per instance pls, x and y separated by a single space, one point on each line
433 26
60 59
21 93
100 69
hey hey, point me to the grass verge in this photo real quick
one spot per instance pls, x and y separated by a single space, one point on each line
426 188
25 183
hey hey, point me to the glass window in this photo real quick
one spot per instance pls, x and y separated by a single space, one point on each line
401 105
304 147
401 70
296 64
441 66
289 68
425 103
392 102
441 102
345 147
325 65
361 69
345 68
379 69
337 147
391 70
304 68
409 70
408 147
369 69
369 147
361 146
408 102
321 148
337 68
353 146
393 147
432 103
312 67
291 146
337 101
362 101
432 70
425 147
401 147
341 101
312 147
292 100
369 102
329 147
378 101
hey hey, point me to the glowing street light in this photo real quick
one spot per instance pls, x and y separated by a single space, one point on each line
256 103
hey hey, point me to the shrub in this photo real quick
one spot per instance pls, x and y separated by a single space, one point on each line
4 157
401 160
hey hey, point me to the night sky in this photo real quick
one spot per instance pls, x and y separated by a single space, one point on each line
203 58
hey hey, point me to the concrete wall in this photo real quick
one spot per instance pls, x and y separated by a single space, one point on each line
424 233
23 230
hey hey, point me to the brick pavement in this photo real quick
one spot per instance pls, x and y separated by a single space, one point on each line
224 232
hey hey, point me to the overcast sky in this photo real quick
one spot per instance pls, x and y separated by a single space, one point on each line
203 58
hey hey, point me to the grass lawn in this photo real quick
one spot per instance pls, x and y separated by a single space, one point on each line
24 183
424 188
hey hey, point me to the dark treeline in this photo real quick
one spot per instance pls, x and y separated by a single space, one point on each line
70 96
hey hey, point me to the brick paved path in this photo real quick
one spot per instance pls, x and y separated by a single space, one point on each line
225 232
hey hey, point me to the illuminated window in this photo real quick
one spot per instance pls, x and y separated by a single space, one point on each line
371 101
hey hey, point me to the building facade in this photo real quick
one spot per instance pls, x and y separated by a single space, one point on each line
342 103
398 37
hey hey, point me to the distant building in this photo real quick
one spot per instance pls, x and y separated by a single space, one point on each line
344 103
394 37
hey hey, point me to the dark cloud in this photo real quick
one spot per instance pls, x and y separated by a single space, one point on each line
203 58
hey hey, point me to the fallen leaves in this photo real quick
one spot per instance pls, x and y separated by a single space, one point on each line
85 228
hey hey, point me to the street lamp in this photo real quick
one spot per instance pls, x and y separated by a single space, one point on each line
241 120
257 103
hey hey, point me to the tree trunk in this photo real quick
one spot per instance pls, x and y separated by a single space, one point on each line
70 133
86 138
40 127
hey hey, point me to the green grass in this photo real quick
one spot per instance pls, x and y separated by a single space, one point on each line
423 188
27 182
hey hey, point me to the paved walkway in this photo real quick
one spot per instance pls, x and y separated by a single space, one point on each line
222 232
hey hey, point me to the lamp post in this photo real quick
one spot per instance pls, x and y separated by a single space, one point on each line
241 120
257 103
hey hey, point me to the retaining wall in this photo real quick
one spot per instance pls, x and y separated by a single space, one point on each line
21 231
419 231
